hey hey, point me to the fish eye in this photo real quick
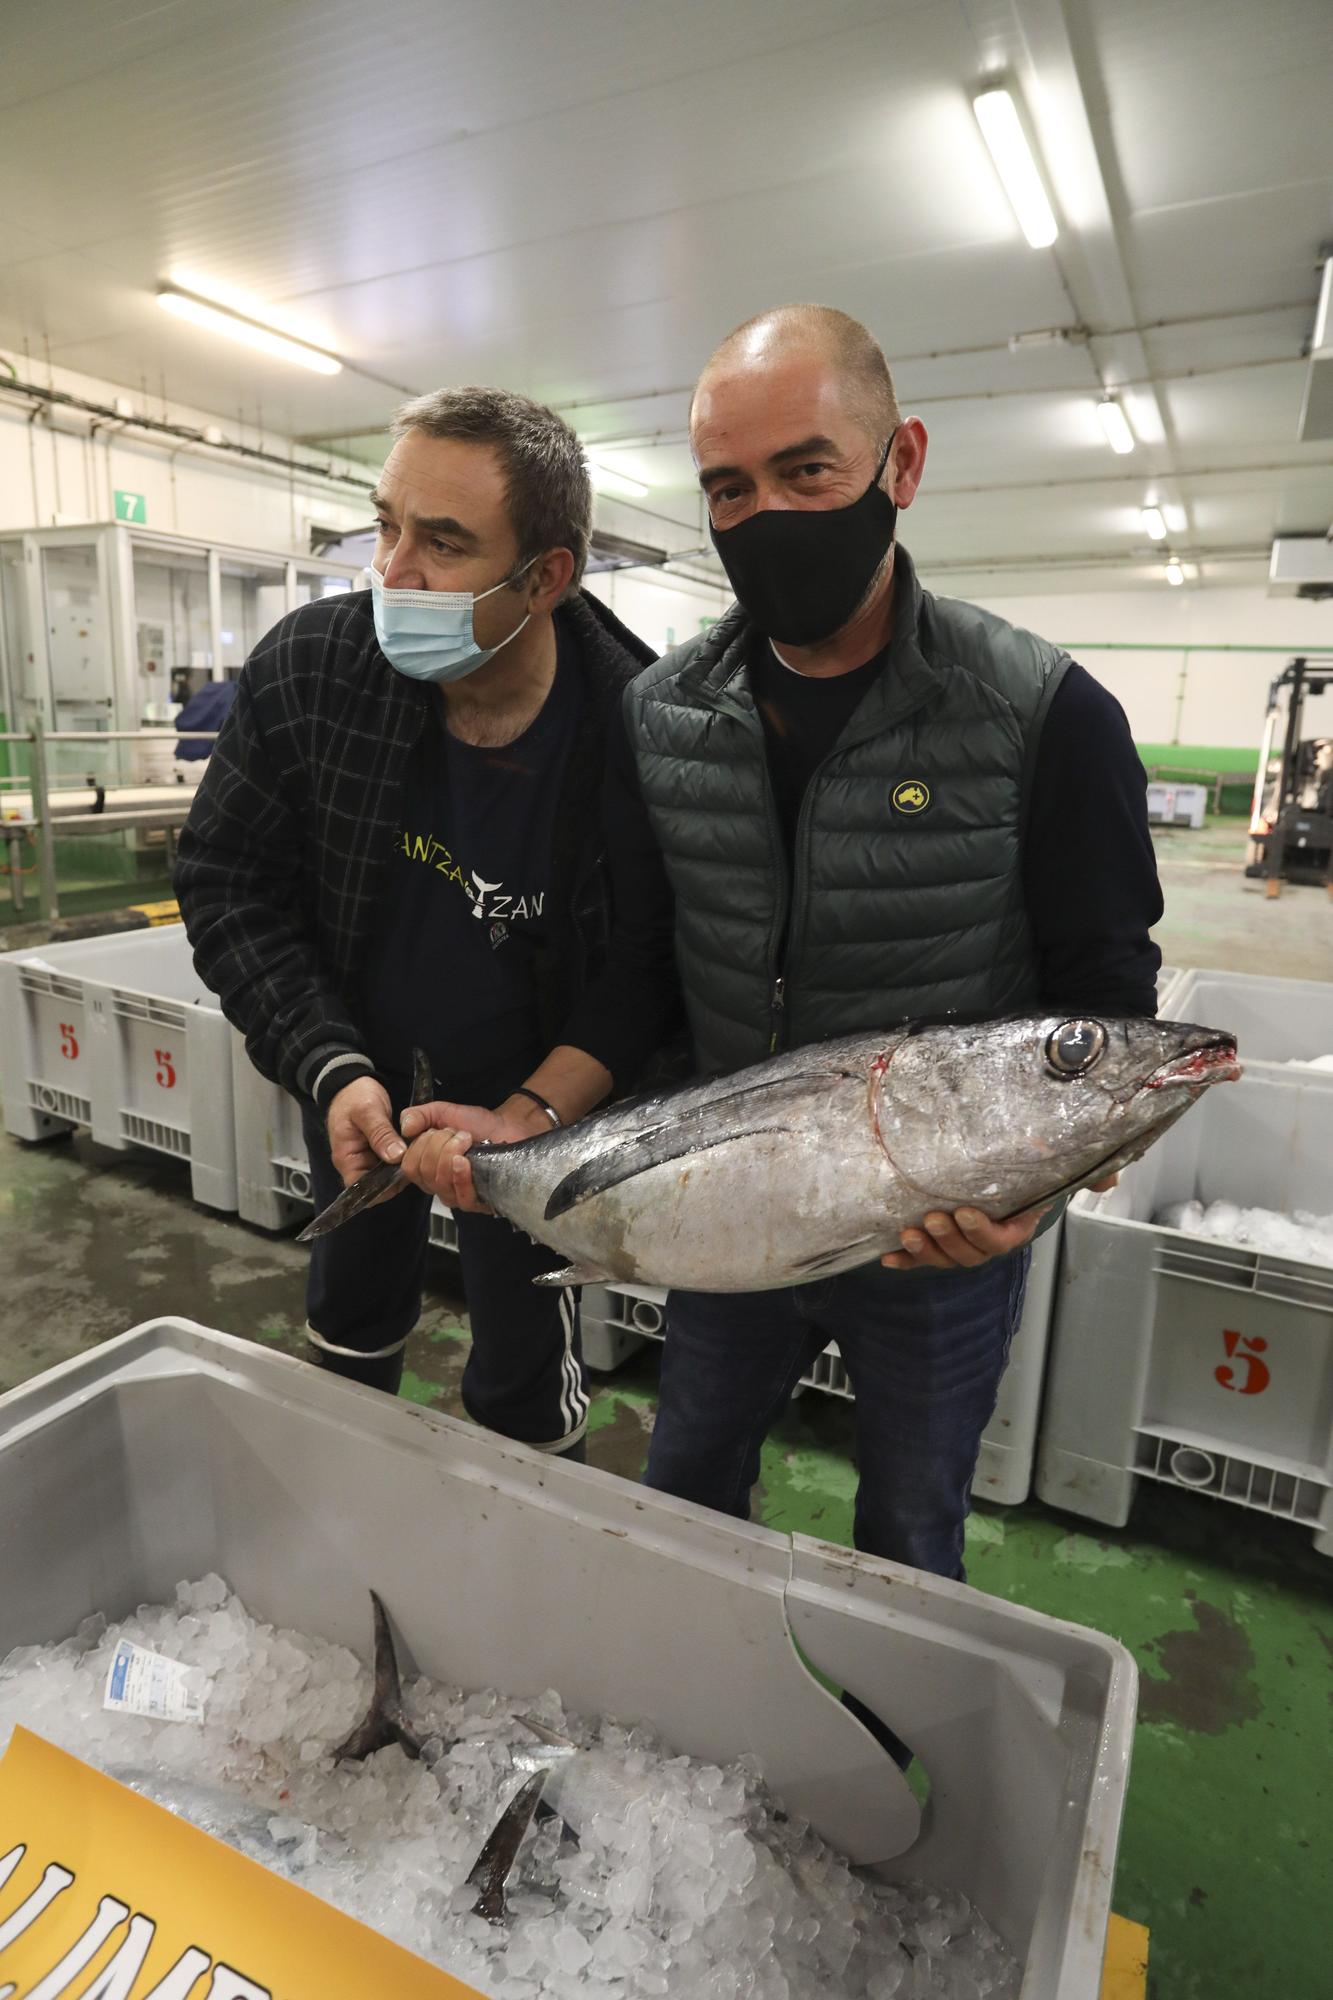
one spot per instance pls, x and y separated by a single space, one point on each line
1075 1047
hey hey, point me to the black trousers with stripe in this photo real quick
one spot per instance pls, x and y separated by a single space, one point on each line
524 1375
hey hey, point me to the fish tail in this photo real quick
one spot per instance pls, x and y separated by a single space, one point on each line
385 1721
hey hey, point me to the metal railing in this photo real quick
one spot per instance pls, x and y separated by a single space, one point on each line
47 826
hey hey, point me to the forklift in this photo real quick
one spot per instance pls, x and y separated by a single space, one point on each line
1291 814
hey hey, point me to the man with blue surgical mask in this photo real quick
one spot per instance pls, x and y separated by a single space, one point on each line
397 845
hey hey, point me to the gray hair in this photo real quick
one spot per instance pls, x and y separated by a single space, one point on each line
547 483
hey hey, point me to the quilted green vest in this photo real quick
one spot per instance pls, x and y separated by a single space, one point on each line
906 896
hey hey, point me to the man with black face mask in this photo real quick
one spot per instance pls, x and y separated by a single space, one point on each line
873 804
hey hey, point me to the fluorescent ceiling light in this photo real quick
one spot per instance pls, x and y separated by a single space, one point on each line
1154 526
1321 321
1175 519
1175 573
1116 425
1002 129
617 485
249 332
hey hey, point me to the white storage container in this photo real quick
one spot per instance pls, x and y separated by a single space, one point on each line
1177 805
1197 1363
605 1346
272 1170
1275 1021
617 1320
272 1167
174 1450
119 1034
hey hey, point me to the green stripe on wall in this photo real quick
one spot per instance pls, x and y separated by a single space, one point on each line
1202 757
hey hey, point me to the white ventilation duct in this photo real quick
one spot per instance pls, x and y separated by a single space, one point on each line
1301 566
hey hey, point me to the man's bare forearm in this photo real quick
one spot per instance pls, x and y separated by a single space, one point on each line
571 1081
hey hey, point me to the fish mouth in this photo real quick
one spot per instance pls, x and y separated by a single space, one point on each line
1213 1061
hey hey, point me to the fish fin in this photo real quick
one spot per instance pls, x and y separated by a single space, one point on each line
545 1734
822 1259
546 1814
574 1274
684 1135
384 1721
423 1078
624 1162
493 1866
353 1200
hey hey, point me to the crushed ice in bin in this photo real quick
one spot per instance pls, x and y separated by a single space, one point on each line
684 1879
1308 1238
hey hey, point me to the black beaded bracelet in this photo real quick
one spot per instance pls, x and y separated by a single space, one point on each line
556 1120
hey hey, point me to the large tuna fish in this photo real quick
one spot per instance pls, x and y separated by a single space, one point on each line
818 1160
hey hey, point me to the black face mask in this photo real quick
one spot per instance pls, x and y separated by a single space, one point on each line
801 572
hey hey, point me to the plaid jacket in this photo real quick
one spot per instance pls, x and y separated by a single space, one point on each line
282 857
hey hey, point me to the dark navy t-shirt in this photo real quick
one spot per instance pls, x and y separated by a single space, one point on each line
450 968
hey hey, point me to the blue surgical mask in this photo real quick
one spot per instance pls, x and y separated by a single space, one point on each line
427 634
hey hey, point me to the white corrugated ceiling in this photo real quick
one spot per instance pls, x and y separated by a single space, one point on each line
578 199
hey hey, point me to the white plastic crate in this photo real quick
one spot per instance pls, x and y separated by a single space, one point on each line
1275 1021
616 1320
1200 1364
1177 805
272 1170
272 1166
119 1034
302 1490
605 1347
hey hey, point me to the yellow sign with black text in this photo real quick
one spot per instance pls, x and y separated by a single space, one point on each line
106 1895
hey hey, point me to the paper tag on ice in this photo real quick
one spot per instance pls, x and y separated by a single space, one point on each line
144 1683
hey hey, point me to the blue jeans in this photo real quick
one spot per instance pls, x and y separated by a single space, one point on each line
924 1350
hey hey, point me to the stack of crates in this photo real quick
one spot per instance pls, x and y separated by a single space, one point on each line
1196 1363
119 1035
1178 805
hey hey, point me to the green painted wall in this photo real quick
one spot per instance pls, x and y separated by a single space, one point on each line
1202 757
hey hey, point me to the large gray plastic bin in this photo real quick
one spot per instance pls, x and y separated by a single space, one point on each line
176 1450
119 1034
1200 1364
617 1320
1275 1021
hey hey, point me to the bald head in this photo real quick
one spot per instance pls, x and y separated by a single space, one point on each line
807 333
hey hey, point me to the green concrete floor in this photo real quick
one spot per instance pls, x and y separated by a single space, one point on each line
1225 1850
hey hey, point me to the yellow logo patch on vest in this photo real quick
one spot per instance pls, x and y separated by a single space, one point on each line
911 796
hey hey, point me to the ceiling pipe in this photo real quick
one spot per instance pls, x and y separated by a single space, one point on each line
182 435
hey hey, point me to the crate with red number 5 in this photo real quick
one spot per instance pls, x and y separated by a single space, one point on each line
1193 1334
119 1035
